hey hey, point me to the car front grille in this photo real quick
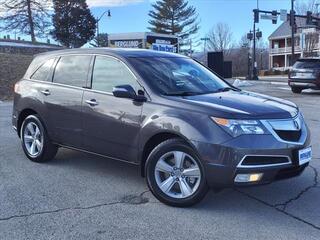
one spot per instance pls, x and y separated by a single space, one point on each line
291 136
287 130
257 161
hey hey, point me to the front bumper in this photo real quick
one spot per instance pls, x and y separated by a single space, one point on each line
223 161
224 176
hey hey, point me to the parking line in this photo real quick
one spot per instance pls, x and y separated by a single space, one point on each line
279 83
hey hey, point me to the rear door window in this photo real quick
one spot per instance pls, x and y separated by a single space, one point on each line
43 71
72 70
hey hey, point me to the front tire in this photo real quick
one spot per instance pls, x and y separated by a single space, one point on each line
35 141
296 89
175 175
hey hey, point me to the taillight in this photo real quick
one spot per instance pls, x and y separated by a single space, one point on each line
16 88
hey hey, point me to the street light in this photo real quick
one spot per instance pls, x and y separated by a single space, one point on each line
98 20
254 35
205 39
261 58
247 47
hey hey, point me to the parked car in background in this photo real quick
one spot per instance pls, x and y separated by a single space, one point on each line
184 126
305 74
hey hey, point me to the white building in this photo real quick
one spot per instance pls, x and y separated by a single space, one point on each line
280 51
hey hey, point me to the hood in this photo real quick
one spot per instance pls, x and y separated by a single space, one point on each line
242 105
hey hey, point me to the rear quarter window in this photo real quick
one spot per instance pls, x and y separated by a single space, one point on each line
43 72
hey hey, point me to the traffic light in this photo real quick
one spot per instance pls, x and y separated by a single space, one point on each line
259 34
256 15
274 17
309 18
292 18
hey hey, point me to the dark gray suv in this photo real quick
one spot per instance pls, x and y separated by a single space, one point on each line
186 128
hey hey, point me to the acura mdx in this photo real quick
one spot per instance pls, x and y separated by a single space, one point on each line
187 129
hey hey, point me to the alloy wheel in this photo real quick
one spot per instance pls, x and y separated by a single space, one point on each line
177 174
33 139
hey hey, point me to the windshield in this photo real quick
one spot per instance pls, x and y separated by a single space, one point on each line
177 76
310 63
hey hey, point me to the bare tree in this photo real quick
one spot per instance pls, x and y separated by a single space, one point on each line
220 38
311 43
240 53
303 6
28 17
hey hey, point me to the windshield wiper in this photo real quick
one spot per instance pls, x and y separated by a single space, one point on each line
226 89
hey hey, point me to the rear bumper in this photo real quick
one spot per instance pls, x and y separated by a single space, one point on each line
15 115
304 83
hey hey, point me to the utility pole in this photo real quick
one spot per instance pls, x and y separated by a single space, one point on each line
97 21
292 18
205 39
190 49
254 56
255 73
255 65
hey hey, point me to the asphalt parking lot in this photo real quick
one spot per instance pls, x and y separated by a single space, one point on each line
79 196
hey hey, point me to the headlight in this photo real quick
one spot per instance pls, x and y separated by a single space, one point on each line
239 127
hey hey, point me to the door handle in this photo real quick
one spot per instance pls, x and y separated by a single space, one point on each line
45 92
92 102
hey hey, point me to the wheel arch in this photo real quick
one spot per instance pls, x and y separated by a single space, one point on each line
22 116
154 141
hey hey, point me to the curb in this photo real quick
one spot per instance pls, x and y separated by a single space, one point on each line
283 80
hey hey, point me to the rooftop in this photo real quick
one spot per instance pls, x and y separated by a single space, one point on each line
121 52
284 29
21 43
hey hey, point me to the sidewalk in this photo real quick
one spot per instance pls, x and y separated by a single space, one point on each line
278 78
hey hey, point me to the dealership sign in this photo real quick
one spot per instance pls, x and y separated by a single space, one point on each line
154 42
126 43
163 44
163 47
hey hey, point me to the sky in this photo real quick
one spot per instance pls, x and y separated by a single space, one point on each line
132 15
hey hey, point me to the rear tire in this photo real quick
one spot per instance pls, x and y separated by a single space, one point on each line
296 89
35 141
175 174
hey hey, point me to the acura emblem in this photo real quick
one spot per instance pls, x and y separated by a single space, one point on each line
296 124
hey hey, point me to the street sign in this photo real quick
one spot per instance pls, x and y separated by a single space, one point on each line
283 15
268 17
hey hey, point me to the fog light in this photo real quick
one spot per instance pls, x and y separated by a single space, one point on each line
250 177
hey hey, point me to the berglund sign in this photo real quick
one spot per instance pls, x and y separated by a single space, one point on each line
127 43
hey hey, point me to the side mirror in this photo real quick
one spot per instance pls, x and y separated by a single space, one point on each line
127 91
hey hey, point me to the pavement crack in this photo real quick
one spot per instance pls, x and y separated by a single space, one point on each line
284 205
129 199
279 210
281 207
314 120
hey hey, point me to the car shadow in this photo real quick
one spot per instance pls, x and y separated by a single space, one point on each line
88 164
310 92
128 175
